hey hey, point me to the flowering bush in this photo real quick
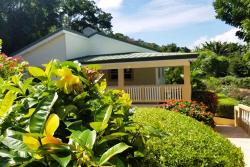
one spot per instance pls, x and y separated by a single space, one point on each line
193 109
10 66
63 115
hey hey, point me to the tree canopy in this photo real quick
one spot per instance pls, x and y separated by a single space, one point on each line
223 48
235 13
24 21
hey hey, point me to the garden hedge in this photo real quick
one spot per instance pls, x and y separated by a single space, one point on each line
225 106
186 142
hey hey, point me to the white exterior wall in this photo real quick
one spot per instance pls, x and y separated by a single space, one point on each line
76 45
66 45
100 44
54 49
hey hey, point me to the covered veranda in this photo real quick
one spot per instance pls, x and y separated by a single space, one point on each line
147 84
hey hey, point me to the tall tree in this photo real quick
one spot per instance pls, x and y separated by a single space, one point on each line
223 48
24 21
235 13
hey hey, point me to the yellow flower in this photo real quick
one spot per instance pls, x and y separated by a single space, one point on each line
67 80
51 125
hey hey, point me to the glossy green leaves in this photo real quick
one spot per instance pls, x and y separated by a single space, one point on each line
39 117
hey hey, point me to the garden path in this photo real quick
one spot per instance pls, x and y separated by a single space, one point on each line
238 137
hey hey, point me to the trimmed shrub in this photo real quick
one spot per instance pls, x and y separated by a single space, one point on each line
225 106
193 109
210 99
186 142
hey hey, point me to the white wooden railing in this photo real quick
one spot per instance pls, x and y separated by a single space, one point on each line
242 117
153 93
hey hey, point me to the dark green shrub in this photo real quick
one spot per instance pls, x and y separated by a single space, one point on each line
210 99
215 66
225 106
192 109
228 80
186 142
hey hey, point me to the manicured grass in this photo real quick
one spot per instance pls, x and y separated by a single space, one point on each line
186 142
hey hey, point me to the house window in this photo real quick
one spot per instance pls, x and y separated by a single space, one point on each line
114 74
128 74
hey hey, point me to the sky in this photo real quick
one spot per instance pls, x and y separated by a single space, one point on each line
184 22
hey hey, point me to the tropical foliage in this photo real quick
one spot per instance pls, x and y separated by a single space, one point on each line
63 115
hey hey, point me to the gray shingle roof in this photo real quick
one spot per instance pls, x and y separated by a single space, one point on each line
131 57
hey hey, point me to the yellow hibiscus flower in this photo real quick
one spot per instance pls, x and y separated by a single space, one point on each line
51 125
67 80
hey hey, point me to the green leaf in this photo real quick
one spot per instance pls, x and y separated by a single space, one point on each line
85 139
6 103
98 126
138 154
63 110
112 136
107 114
6 153
63 161
39 117
55 148
26 85
31 111
75 126
118 148
14 144
71 65
36 72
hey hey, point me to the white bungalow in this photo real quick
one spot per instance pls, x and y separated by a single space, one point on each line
136 69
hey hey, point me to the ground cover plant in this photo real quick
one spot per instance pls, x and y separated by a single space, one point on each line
62 115
196 110
186 142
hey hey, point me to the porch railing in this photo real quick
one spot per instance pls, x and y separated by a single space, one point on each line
153 93
242 117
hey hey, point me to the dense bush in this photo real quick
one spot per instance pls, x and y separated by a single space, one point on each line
193 109
210 99
62 115
186 142
239 67
239 82
225 106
